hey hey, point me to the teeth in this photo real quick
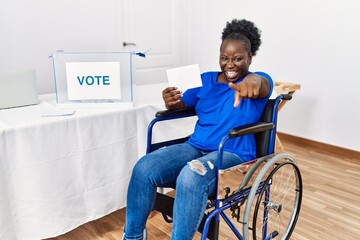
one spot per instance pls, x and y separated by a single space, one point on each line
231 73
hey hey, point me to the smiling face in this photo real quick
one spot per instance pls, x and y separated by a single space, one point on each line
234 60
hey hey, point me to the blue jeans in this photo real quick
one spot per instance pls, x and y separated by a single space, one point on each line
191 171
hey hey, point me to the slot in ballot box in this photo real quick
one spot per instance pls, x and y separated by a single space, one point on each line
93 79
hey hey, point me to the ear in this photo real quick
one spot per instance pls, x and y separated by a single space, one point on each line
250 59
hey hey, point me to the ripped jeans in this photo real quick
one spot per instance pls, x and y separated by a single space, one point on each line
191 171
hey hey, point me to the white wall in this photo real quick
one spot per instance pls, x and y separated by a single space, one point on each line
32 30
313 43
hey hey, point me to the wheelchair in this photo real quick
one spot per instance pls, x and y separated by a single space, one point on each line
259 199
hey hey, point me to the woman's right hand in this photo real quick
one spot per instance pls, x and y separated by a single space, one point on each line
172 98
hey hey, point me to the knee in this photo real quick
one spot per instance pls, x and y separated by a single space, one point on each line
141 168
194 175
186 180
199 167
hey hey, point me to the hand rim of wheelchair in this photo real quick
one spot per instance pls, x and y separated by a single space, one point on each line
255 192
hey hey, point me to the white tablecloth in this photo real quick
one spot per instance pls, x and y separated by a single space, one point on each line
59 172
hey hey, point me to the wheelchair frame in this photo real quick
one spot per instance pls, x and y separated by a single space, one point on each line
256 178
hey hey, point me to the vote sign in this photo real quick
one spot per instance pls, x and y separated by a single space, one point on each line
93 80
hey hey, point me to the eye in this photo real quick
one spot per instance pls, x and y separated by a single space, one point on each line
237 59
223 58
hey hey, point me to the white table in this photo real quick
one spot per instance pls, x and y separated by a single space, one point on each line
57 173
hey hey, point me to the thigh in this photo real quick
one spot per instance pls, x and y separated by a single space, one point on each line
228 160
164 165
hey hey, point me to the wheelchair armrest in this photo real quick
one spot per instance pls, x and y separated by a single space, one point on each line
164 116
186 112
250 128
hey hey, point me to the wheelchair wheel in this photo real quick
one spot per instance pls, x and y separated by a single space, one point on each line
278 193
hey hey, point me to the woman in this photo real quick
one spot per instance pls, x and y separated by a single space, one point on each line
227 99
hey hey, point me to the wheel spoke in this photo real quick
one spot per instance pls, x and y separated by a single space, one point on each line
282 205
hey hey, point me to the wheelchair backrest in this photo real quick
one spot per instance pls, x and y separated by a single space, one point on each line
265 141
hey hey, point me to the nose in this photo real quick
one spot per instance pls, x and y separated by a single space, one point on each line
230 64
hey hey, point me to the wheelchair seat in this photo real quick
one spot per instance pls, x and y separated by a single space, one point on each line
260 198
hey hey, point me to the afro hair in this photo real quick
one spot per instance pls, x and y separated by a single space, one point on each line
237 29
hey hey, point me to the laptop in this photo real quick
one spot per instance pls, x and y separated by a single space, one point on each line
18 88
